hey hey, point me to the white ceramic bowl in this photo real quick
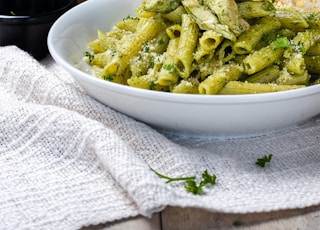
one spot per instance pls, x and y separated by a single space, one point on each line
215 115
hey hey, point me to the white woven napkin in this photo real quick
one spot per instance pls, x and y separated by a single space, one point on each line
68 161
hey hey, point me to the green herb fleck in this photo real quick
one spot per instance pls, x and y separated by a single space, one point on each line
285 43
146 49
268 6
113 52
169 67
89 55
277 61
191 185
300 48
207 178
12 13
262 161
160 41
108 77
152 85
129 17
311 16
281 43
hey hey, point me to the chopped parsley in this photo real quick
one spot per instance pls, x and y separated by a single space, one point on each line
285 43
169 67
268 6
108 77
281 43
129 17
264 160
191 185
160 41
113 52
300 48
277 61
89 55
311 16
146 49
152 85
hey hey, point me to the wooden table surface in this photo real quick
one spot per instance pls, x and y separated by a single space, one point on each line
174 218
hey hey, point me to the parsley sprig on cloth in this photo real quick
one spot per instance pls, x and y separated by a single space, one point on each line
191 184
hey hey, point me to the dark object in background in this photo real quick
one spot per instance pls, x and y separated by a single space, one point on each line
26 23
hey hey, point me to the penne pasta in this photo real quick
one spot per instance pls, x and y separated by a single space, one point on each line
187 45
247 41
210 47
256 9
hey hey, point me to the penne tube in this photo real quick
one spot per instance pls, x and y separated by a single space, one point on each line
106 41
237 87
187 45
215 82
226 51
148 81
295 64
290 19
210 40
202 54
267 38
267 75
256 9
207 67
161 6
174 31
102 59
312 64
129 24
247 41
287 78
312 18
168 74
300 44
189 86
129 47
262 58
175 15
314 50
304 40
149 55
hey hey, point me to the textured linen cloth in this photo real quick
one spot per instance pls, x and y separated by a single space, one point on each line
68 161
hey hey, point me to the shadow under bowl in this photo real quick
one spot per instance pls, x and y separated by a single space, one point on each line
26 23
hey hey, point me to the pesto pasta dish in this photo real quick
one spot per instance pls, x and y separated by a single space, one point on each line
212 46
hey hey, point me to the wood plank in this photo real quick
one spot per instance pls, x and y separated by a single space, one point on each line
174 218
136 223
